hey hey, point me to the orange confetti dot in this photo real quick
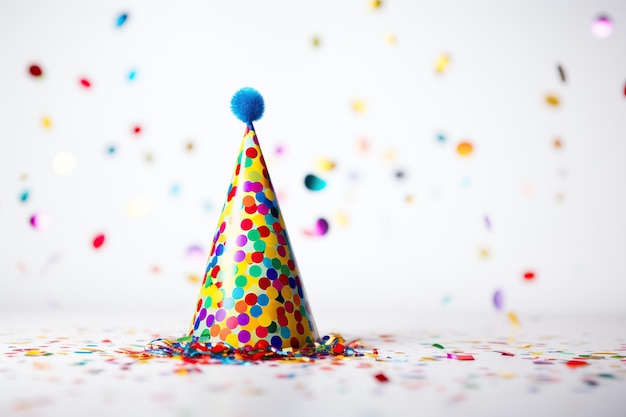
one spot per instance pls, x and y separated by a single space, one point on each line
465 148
552 100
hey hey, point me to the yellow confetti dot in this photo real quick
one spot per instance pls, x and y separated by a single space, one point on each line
513 319
441 63
484 253
359 106
46 122
139 207
465 148
190 146
341 219
553 100
324 165
63 163
316 42
389 155
375 4
557 143
391 39
193 278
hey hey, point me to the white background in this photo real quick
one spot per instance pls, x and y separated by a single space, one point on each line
557 212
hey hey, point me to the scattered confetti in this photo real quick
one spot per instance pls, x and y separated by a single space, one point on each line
441 63
440 137
381 377
24 196
137 130
111 150
85 82
391 39
193 278
557 143
196 253
46 122
139 207
316 41
121 19
561 73
513 319
98 241
376 4
573 364
553 100
529 275
35 70
132 74
63 163
460 357
498 301
314 183
324 165
602 27
321 228
40 220
438 346
465 148
359 106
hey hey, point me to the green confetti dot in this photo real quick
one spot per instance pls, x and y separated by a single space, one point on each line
438 346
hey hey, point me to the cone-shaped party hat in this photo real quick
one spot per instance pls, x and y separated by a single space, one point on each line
252 293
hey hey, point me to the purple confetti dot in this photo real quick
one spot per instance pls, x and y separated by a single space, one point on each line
220 314
498 299
239 256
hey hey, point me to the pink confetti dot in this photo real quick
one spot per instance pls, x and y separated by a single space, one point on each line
98 241
85 82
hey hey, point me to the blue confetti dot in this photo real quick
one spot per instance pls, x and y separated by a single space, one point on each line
132 75
111 150
122 19
314 183
24 196
441 138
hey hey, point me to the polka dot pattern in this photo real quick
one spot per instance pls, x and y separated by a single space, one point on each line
252 291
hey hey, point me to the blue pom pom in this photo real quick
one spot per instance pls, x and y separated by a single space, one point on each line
247 104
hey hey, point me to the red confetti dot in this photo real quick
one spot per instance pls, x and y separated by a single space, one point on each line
575 364
251 153
98 241
85 82
35 71
381 377
529 276
137 130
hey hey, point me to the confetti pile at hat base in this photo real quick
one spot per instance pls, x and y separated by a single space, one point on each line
200 351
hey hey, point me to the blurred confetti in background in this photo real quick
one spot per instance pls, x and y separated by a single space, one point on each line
116 131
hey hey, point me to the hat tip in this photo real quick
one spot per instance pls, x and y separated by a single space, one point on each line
248 105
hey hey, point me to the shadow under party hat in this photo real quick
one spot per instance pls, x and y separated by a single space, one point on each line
252 293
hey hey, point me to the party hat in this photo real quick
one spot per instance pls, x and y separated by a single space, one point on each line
252 293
